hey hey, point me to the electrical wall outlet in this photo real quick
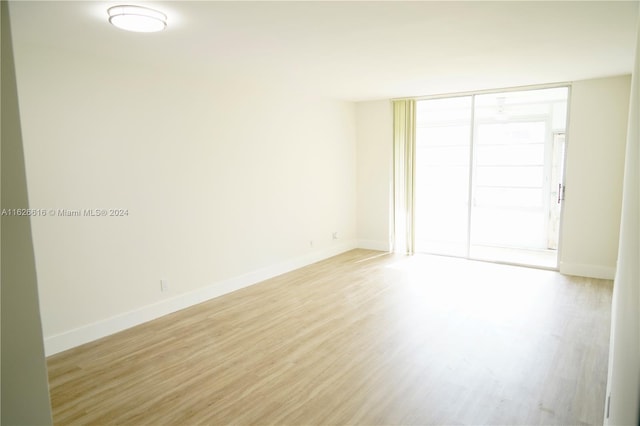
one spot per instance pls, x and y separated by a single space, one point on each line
335 235
164 285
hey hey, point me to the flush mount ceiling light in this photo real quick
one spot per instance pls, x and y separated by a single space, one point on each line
137 18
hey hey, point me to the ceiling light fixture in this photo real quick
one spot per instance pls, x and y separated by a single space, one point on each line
137 18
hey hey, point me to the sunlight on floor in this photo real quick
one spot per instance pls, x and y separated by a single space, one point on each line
540 258
500 294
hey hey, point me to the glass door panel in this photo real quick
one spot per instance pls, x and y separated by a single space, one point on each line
513 218
488 175
443 158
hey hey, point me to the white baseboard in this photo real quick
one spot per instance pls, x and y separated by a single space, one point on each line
591 271
374 245
90 332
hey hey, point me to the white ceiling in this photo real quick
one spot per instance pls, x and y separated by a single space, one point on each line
355 50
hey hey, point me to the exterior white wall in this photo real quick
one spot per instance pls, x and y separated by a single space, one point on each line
224 185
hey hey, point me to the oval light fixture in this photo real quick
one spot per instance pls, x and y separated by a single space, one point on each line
137 18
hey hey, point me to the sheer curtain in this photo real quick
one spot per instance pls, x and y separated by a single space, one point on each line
404 145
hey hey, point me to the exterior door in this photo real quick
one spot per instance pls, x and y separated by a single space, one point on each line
488 182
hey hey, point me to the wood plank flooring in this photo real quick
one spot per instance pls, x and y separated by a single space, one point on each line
363 338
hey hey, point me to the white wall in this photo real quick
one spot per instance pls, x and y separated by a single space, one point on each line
25 388
375 172
595 159
623 385
224 185
594 169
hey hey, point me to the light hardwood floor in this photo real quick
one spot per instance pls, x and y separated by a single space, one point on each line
362 338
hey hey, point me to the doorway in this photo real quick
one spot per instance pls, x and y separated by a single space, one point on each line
489 176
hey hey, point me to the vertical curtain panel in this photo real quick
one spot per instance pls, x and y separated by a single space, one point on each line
404 145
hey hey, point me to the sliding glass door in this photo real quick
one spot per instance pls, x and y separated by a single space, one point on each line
443 159
488 180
